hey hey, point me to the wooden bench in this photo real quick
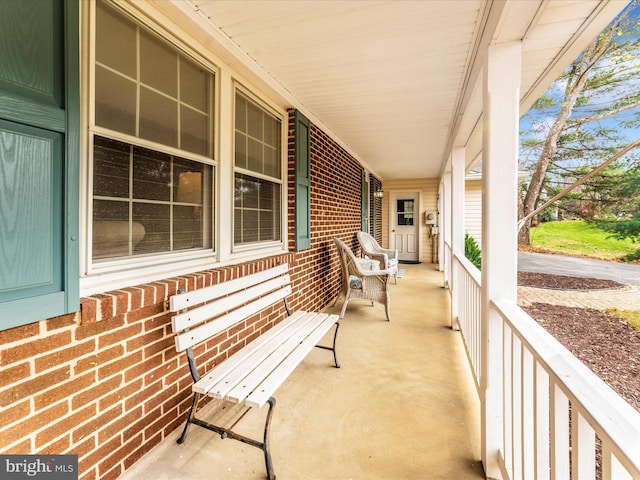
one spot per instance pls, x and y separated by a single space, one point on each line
252 374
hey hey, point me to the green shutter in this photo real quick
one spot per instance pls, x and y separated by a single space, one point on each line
39 157
303 183
364 204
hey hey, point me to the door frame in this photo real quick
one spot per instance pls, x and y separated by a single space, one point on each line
393 196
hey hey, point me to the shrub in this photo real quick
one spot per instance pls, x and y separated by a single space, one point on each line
472 251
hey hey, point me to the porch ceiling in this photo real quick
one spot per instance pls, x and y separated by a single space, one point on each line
396 82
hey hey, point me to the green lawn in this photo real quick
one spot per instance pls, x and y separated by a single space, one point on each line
576 237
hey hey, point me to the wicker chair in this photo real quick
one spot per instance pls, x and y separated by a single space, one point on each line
388 258
363 279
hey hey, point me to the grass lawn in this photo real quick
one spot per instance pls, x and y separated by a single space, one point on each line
576 237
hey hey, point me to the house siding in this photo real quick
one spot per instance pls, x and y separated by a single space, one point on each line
473 209
106 382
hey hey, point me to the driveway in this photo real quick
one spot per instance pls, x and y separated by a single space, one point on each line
578 267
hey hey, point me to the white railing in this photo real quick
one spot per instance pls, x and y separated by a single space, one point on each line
558 415
469 311
561 421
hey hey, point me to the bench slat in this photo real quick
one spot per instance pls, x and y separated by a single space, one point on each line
272 362
251 372
186 300
208 381
194 317
267 388
197 335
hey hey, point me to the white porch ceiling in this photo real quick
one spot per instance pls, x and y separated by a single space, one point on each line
397 81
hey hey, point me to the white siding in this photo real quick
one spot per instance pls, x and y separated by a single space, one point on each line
473 209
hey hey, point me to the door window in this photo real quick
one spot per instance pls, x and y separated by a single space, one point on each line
405 211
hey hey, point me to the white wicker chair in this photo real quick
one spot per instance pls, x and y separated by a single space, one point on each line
362 279
388 258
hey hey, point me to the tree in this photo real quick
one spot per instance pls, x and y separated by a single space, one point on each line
579 121
629 225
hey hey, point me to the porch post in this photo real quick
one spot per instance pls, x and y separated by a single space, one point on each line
499 233
457 228
440 225
446 228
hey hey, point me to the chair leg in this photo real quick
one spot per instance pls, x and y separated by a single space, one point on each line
344 306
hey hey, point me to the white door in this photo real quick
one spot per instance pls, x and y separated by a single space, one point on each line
404 223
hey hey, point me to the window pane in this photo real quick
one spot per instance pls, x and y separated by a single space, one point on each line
151 175
158 65
187 228
155 219
194 131
255 156
254 119
271 162
111 229
241 150
257 210
110 168
115 102
115 41
194 85
241 113
271 131
404 209
249 226
158 118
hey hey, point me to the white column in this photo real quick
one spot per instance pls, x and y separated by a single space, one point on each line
440 223
446 227
457 228
224 199
499 231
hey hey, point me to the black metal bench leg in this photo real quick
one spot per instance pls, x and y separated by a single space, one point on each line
335 352
271 475
192 412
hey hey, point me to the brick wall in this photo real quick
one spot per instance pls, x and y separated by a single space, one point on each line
107 384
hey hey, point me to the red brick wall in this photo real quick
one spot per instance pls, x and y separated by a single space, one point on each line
107 384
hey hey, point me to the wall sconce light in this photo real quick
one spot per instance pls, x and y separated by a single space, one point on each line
379 193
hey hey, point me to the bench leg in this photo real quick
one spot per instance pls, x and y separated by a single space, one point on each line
271 475
333 349
192 412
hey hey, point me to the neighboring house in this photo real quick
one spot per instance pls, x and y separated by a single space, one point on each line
473 201
147 146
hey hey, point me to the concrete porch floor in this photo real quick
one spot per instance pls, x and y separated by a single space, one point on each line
402 405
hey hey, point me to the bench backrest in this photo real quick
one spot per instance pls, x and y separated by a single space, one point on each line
225 304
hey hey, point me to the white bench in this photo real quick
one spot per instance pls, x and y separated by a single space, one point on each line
252 374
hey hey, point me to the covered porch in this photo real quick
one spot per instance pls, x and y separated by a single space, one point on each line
394 97
403 405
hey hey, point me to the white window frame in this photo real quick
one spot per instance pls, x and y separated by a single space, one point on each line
282 181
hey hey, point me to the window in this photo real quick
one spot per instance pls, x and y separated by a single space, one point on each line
153 171
257 173
405 211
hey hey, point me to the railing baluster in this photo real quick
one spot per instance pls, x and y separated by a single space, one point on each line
542 423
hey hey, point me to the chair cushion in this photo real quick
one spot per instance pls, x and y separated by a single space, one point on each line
355 282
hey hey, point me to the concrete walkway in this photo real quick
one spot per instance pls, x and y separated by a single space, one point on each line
402 406
627 298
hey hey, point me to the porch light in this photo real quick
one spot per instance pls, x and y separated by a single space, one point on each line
379 193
